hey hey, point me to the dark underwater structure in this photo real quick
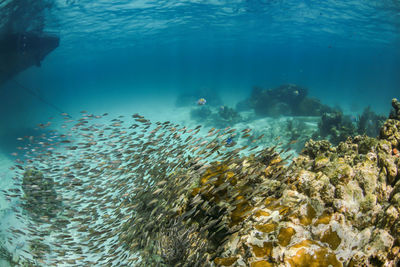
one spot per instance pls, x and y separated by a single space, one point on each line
23 39
19 51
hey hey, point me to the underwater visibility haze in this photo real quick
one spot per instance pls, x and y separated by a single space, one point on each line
199 133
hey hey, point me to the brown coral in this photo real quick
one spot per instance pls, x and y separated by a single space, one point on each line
342 207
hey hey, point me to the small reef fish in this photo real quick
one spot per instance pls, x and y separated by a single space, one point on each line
201 102
19 246
229 142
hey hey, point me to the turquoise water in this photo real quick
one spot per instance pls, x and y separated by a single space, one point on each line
346 53
126 57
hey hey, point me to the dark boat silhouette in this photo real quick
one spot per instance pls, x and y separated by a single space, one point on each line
19 51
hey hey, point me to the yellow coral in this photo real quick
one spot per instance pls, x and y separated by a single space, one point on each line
225 261
266 228
261 263
331 238
285 235
307 219
324 218
310 254
265 251
260 213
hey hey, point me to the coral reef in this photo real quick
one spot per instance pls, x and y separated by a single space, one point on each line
369 123
299 130
335 126
395 113
292 100
172 198
222 117
333 205
243 105
288 99
227 116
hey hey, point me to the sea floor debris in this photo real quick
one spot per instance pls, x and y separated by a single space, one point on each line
123 193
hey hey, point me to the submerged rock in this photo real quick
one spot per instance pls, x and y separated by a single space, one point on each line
335 126
340 208
369 123
221 117
395 114
287 100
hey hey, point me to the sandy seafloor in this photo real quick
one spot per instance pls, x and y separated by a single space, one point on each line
164 110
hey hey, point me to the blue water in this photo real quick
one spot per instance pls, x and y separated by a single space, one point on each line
345 52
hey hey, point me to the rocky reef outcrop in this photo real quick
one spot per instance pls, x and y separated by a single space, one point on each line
338 206
332 206
369 122
222 116
287 99
395 113
337 127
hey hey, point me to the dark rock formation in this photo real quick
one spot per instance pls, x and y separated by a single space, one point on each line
288 100
395 114
229 115
217 117
336 127
369 122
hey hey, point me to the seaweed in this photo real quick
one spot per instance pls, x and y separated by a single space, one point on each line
369 122
336 126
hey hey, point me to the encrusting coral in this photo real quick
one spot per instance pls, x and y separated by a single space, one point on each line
342 208
332 206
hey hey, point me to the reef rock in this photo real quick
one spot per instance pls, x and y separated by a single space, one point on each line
287 99
395 114
332 206
369 123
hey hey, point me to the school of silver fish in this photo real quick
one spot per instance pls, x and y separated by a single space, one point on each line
116 192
